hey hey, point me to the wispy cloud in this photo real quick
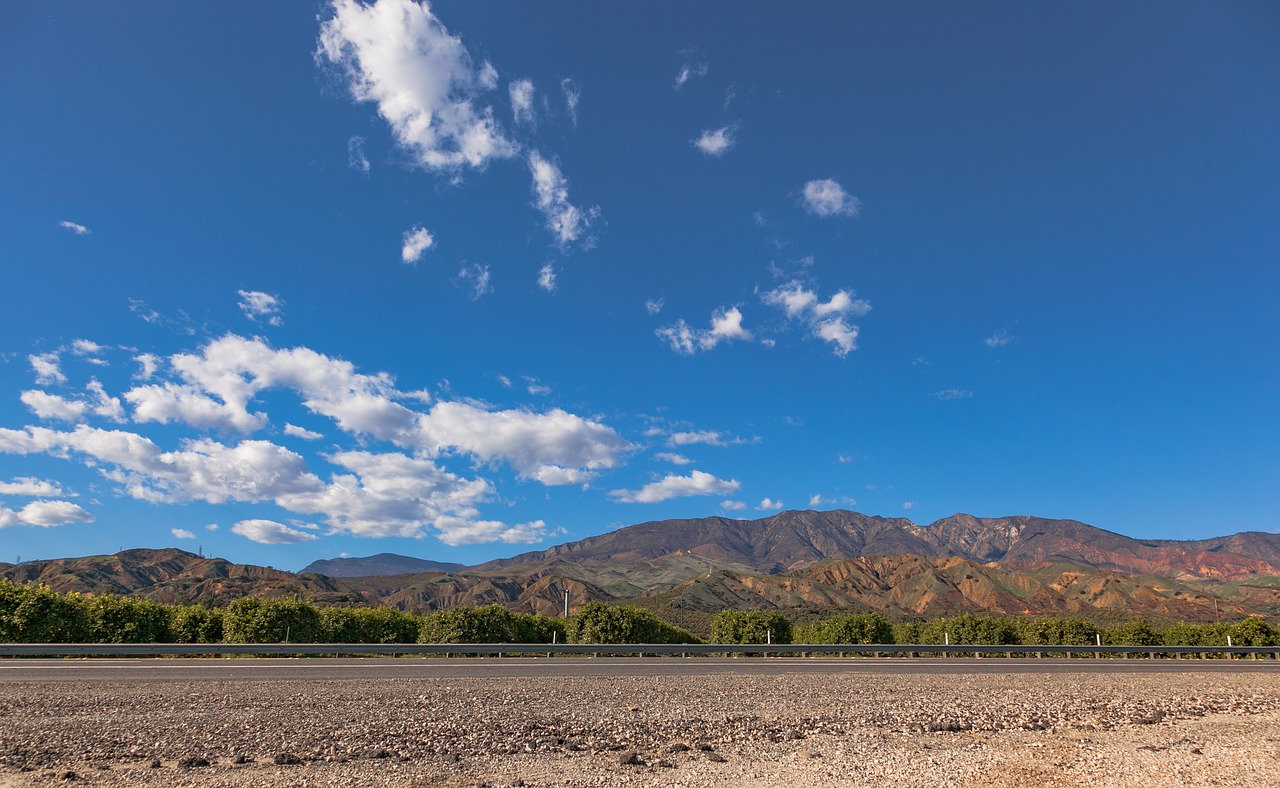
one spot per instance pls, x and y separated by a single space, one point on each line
716 142
687 72
572 96
566 221
415 242
654 305
475 278
48 368
356 159
547 278
726 325
952 394
673 458
271 532
261 307
78 229
305 434
521 92
826 197
998 339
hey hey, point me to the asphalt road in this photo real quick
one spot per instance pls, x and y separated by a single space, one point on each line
287 669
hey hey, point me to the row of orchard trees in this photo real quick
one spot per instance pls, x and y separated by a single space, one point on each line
34 614
761 626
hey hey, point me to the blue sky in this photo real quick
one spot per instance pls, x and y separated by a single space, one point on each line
288 281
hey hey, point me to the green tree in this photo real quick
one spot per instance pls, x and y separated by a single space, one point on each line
254 620
751 626
860 628
368 625
597 622
118 619
1059 632
1132 633
195 624
39 615
1253 631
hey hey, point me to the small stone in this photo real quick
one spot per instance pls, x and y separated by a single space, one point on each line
676 746
380 754
714 756
70 776
665 764
241 760
630 758
193 762
286 759
155 763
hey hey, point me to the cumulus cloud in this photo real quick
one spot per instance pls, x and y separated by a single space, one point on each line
78 229
673 458
547 278
716 142
52 406
566 221
181 533
726 325
271 532
294 431
86 347
356 159
415 243
572 96
521 92
48 368
732 506
998 339
826 197
32 487
397 55
909 505
673 486
261 307
826 320
769 505
687 72
45 514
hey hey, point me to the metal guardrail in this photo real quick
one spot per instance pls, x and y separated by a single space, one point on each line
627 649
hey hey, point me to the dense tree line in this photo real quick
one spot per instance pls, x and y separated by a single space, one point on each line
35 614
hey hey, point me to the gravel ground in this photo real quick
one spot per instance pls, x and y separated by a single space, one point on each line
718 729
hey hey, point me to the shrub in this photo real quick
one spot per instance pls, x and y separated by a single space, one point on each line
34 614
489 624
864 628
1132 633
1059 632
117 619
1253 632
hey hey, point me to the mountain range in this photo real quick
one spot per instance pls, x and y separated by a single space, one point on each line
807 562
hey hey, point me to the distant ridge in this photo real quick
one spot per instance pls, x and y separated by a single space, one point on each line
793 539
382 564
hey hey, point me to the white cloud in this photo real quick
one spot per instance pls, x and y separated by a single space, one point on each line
86 347
566 221
826 320
211 527
167 403
45 514
687 72
271 532
305 434
477 280
673 458
998 339
51 406
654 305
538 389
844 458
78 229
826 197
356 159
547 278
398 55
102 404
521 92
33 488
48 368
703 437
732 506
415 243
909 505
181 533
952 394
816 500
769 505
726 324
716 142
572 96
673 486
261 307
